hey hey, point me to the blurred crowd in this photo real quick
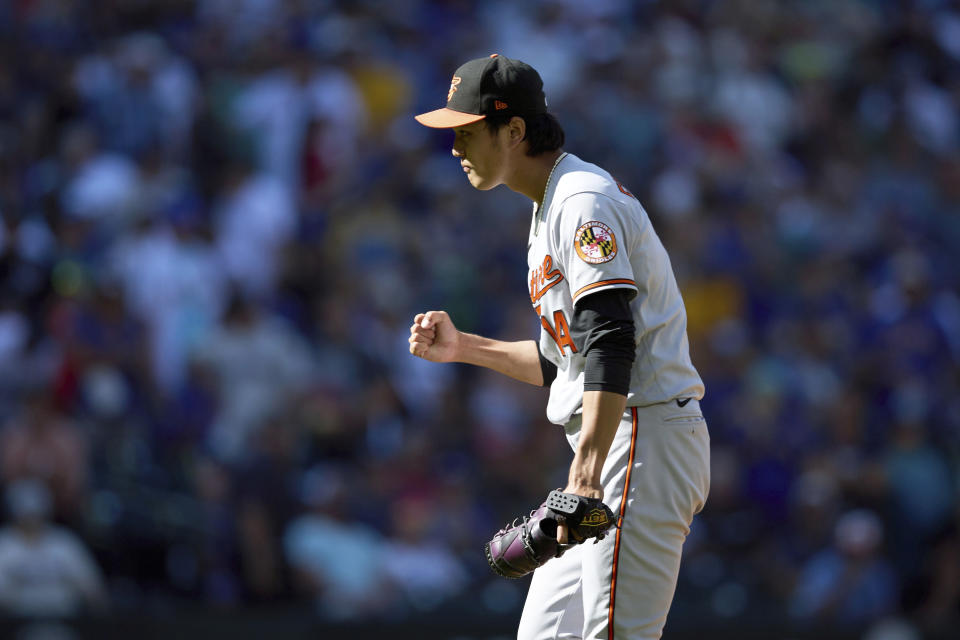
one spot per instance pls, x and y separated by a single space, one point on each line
219 218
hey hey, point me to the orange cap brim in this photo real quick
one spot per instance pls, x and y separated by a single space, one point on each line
446 118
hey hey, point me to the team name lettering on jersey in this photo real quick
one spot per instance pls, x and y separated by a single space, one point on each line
543 278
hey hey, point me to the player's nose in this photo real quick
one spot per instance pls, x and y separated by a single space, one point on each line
457 148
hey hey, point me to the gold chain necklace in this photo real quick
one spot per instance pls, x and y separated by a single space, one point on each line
540 208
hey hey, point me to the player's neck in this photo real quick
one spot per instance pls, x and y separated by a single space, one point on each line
531 174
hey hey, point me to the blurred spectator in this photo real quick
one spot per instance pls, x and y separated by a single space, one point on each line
279 107
42 443
336 561
892 629
175 285
14 338
260 363
850 582
45 570
921 487
101 185
417 560
254 218
217 555
268 498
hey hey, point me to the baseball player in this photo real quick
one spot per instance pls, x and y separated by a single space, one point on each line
612 349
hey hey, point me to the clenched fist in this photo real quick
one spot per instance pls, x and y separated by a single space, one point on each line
434 337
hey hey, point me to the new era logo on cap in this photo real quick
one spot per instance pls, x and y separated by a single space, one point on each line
493 85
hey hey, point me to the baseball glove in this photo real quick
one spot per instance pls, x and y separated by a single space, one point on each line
524 545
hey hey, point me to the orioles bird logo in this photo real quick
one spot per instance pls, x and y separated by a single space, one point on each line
453 87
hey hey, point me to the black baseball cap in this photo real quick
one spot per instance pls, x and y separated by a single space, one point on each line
489 86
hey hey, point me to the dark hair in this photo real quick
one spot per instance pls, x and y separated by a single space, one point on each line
544 132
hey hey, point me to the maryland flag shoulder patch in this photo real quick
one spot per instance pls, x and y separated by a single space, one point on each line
595 243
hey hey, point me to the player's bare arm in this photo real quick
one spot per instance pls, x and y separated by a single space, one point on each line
602 411
434 337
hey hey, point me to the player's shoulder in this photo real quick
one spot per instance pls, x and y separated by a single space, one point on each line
584 180
585 186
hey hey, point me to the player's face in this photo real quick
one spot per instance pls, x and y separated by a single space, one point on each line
481 154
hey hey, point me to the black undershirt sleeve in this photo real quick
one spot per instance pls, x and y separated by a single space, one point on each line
603 330
547 368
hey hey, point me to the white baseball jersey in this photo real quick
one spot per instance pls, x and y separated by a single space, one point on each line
590 234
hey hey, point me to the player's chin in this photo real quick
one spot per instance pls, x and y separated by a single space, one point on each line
479 183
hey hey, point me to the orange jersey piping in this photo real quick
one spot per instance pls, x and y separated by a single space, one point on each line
623 510
604 283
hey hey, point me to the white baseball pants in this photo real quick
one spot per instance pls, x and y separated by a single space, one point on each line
656 477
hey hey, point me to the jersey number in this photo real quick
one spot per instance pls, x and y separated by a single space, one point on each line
559 331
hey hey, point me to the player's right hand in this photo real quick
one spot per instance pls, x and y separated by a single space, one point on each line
434 337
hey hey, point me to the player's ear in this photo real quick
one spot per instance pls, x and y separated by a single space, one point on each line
516 130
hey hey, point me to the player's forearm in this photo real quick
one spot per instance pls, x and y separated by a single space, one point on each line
602 411
519 360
